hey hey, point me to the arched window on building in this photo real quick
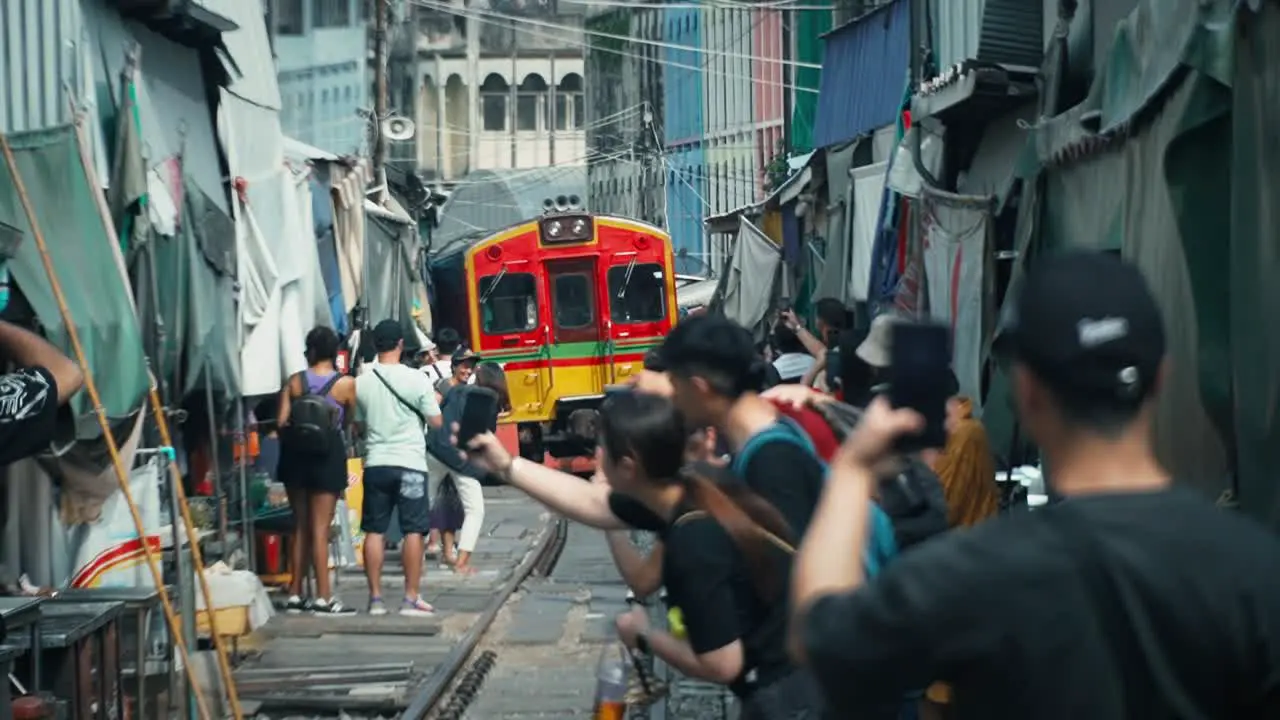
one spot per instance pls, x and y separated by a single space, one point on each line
569 104
531 93
493 103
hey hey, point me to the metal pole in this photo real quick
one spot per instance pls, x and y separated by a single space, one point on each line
380 86
219 497
246 517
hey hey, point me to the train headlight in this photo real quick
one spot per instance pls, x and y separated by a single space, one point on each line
567 229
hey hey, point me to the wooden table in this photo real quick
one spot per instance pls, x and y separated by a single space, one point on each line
83 638
18 614
140 602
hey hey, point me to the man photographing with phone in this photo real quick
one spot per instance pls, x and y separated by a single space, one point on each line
1129 599
40 378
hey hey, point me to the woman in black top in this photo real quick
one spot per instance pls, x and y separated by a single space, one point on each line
726 562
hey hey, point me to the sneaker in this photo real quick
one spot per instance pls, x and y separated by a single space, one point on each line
417 607
331 607
377 607
295 605
433 550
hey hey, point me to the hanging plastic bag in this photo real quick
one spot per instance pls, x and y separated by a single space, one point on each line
447 512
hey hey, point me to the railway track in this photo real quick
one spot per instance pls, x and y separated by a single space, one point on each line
456 681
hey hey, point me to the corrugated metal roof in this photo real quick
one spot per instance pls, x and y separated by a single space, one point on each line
1006 32
39 55
253 76
490 200
864 74
1012 33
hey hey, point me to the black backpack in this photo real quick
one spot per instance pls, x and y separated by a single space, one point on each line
913 499
312 421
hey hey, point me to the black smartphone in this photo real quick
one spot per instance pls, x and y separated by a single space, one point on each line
919 374
784 304
479 414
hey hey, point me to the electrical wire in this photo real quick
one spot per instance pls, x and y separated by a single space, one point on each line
621 53
466 12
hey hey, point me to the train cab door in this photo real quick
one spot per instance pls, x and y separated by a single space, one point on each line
575 327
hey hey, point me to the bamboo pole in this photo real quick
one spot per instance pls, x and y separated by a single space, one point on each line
197 558
224 666
122 473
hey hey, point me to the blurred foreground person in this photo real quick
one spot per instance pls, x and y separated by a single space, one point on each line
726 554
717 377
965 466
1131 599
42 380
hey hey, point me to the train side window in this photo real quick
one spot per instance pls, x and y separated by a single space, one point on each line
641 297
512 306
572 300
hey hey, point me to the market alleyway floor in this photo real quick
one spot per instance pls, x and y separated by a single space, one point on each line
384 659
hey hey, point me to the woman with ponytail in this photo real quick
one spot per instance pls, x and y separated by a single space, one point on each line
727 552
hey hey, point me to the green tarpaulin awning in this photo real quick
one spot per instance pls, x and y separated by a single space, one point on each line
51 168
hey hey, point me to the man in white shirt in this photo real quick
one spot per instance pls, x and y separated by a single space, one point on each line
395 404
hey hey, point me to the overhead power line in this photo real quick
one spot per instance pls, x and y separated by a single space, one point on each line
507 19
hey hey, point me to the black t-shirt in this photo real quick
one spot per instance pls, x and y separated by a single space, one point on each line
1024 616
706 577
28 411
789 477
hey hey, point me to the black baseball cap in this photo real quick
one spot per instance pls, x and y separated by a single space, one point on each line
387 335
1087 323
464 354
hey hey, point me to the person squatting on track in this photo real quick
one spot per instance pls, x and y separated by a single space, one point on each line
1128 600
726 554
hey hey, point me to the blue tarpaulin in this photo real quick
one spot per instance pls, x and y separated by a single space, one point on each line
864 72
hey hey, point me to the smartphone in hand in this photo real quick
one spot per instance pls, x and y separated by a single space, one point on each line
919 378
479 414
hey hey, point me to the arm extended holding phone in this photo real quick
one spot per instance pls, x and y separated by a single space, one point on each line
473 410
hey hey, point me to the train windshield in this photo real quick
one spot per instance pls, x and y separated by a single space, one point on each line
510 303
637 293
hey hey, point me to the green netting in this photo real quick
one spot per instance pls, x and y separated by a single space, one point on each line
67 212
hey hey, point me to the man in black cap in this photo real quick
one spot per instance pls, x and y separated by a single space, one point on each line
1131 599
396 404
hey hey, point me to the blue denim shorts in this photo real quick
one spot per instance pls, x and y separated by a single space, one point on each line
395 489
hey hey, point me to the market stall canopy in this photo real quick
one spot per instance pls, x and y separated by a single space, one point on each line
750 281
486 201
391 274
88 264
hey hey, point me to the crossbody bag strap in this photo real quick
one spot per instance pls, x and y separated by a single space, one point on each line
1119 610
421 418
776 541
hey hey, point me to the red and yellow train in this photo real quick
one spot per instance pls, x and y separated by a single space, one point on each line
568 303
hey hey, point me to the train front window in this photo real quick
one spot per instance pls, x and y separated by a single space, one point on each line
511 306
637 293
572 299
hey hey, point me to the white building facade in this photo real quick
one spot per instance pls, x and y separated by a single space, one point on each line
494 96
322 50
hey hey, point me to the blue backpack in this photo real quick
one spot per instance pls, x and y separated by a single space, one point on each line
883 546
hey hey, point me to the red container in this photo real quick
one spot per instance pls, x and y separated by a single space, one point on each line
271 554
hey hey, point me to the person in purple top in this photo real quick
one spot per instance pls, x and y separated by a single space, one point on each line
315 406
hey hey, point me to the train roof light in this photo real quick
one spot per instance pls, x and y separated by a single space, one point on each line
567 229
